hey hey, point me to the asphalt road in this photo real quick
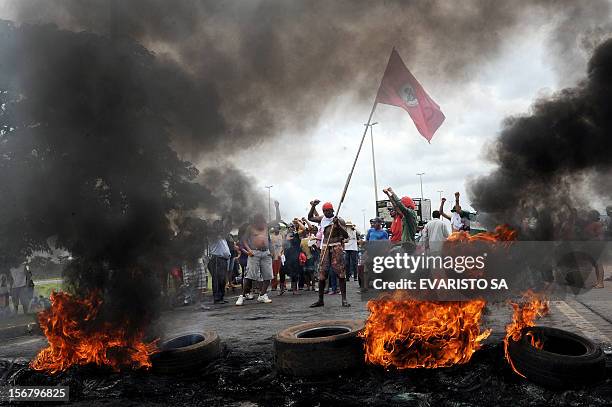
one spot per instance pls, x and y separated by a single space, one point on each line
252 326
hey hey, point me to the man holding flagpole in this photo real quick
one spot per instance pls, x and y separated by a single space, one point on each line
333 235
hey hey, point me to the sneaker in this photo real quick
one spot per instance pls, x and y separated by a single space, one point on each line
240 300
264 298
249 296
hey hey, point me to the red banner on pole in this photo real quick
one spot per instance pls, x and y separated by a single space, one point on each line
400 88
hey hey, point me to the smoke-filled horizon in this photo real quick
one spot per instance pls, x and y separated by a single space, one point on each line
547 158
270 67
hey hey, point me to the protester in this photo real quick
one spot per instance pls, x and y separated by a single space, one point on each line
352 251
231 243
276 249
4 295
396 225
306 243
409 217
608 228
377 232
434 234
593 230
259 265
332 248
219 254
292 266
19 290
459 220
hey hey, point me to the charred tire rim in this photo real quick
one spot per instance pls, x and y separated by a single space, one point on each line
187 352
319 347
567 360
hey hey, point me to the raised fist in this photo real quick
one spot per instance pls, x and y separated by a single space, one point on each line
315 202
443 200
456 194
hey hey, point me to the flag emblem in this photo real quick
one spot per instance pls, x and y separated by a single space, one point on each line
409 95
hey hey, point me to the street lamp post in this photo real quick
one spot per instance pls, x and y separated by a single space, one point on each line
420 174
269 206
363 211
440 192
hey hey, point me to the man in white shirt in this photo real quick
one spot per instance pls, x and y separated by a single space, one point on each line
19 291
434 234
351 250
459 219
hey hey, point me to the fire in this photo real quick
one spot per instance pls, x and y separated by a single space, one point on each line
76 337
503 233
409 334
531 307
406 333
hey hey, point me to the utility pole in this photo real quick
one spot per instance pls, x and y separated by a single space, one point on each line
440 192
269 206
370 125
420 174
363 211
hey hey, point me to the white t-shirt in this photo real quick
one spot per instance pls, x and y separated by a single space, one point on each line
435 232
456 222
19 276
352 240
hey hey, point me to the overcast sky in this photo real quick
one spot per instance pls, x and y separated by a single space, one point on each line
474 109
316 162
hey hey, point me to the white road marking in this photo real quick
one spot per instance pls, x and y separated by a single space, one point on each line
581 323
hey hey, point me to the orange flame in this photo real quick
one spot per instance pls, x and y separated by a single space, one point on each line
531 307
409 334
503 233
76 337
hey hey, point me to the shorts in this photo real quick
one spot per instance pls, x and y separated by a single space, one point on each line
259 266
334 257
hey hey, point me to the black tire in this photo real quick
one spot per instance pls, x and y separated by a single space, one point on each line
566 361
186 353
317 348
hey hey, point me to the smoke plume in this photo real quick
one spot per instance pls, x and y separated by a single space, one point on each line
548 158
268 67
101 117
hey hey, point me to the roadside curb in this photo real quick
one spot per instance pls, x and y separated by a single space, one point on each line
15 331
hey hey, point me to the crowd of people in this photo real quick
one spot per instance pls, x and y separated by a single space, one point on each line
319 252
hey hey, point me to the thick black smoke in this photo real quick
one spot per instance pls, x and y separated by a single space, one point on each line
85 156
546 159
274 65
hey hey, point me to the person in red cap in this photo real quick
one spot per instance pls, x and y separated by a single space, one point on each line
406 207
332 248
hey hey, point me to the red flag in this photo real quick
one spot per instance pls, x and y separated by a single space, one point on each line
400 88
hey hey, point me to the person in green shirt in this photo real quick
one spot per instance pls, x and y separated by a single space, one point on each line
407 208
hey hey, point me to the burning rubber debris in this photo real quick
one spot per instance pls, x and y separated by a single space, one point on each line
526 311
405 334
78 335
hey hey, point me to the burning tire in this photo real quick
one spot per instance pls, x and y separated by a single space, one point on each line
566 360
319 347
188 352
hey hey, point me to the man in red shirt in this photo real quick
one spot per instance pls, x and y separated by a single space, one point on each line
396 226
